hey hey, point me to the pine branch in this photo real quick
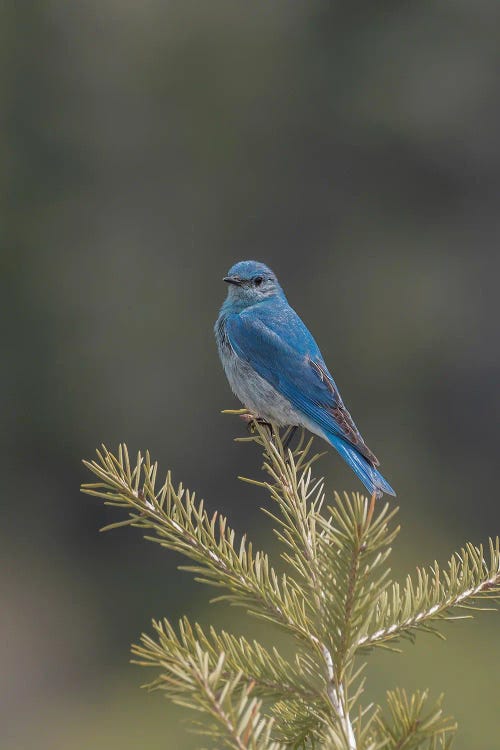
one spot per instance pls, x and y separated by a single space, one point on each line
299 498
337 602
335 558
183 525
300 727
436 594
412 725
355 543
236 719
271 675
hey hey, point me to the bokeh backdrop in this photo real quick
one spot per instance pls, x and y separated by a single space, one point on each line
145 147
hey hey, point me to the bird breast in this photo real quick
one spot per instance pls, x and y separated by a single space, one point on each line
259 396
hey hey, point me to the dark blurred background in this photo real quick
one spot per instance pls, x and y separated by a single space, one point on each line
146 147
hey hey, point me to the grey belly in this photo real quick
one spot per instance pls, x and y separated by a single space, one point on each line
258 395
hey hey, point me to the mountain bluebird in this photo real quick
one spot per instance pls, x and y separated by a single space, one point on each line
275 368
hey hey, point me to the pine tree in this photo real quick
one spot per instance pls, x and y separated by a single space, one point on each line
336 601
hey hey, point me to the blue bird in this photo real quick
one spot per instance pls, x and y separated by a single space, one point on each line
275 368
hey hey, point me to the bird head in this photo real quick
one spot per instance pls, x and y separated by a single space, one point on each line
250 282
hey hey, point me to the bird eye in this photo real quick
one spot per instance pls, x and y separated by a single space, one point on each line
258 280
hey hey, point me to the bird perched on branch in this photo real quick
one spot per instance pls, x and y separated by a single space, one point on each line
276 369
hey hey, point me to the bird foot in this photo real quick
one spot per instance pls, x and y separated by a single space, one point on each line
250 420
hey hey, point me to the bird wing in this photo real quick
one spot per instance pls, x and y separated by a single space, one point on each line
282 351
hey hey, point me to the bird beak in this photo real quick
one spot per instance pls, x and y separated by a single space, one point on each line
232 280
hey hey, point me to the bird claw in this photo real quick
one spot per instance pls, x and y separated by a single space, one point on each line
251 420
247 417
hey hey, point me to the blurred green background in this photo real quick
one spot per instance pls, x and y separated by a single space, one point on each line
145 147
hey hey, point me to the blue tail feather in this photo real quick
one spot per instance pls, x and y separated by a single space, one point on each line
371 477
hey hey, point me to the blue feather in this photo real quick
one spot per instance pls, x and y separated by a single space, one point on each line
368 474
